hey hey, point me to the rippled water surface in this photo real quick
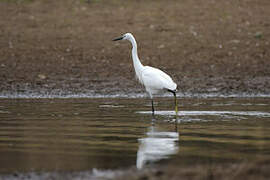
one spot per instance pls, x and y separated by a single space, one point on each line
82 134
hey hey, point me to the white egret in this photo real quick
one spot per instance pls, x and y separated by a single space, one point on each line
153 79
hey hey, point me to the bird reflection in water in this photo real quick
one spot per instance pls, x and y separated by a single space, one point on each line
157 145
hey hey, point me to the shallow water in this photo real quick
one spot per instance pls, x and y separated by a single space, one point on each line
112 133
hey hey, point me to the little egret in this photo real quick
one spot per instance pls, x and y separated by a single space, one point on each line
153 79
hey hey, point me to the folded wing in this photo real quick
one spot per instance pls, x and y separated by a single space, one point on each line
155 79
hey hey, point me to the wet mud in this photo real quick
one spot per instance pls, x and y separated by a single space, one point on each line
232 171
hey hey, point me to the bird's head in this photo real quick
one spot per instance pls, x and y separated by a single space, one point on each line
126 36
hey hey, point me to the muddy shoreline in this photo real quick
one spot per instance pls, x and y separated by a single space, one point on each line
244 170
65 47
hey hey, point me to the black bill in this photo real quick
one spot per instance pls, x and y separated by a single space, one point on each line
117 39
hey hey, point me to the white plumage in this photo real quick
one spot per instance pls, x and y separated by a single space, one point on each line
156 80
153 79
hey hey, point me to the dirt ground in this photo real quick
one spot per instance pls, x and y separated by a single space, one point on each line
236 171
65 47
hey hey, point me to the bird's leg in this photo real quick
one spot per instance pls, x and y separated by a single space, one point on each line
153 110
176 124
175 102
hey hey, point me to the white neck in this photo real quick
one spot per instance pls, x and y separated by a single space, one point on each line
136 61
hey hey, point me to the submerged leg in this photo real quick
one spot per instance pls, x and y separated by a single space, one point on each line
175 102
153 110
